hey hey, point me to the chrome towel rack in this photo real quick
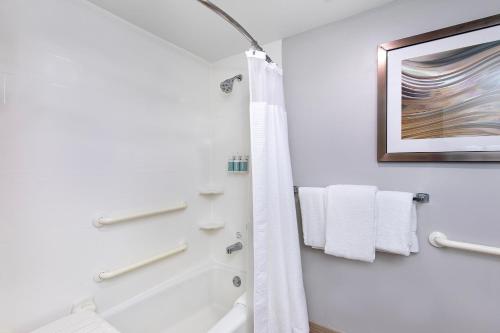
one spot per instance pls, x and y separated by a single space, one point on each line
417 197
102 221
438 239
120 271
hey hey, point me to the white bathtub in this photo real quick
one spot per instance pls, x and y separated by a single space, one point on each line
189 303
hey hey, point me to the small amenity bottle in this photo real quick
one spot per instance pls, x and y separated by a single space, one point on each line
244 164
237 164
230 164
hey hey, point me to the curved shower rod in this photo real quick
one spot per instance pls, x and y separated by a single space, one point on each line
219 11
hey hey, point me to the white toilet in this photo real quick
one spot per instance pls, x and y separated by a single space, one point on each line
235 321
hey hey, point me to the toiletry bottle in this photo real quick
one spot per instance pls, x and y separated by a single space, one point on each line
244 164
237 164
230 164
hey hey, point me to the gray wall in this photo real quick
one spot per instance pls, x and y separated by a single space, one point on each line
330 84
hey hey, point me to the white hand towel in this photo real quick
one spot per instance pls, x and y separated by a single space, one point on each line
414 247
396 222
350 222
312 209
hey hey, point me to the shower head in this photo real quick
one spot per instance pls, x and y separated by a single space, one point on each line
227 85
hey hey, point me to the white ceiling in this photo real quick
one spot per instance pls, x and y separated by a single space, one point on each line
195 28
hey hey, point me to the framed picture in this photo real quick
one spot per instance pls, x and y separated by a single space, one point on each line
439 95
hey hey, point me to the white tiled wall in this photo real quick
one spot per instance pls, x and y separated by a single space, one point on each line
231 135
99 118
230 123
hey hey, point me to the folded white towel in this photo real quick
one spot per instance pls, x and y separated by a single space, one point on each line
414 247
396 223
350 222
312 209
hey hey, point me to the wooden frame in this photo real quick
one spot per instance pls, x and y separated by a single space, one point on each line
383 49
315 328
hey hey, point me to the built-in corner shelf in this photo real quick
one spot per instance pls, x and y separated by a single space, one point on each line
211 225
211 189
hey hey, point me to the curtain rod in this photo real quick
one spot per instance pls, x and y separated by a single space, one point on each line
219 11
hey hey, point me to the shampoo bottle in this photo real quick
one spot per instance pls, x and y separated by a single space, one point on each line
244 164
230 164
237 164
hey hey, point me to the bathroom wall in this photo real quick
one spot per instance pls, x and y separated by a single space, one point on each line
96 117
330 87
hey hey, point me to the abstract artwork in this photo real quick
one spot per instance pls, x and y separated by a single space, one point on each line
452 93
439 95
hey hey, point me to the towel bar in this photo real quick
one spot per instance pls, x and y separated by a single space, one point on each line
417 197
438 239
102 221
120 271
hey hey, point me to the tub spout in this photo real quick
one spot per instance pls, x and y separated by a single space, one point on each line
234 247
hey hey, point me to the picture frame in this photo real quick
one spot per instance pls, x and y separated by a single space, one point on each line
430 119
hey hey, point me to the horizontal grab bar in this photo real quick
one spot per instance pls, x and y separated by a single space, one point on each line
120 271
102 221
438 239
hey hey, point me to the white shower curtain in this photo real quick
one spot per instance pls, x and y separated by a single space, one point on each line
279 299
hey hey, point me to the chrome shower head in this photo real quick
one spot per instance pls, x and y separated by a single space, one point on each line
227 85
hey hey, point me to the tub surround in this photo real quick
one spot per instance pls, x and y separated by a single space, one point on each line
230 128
103 117
99 117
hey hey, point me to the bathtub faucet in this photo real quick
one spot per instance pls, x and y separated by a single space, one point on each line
234 247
